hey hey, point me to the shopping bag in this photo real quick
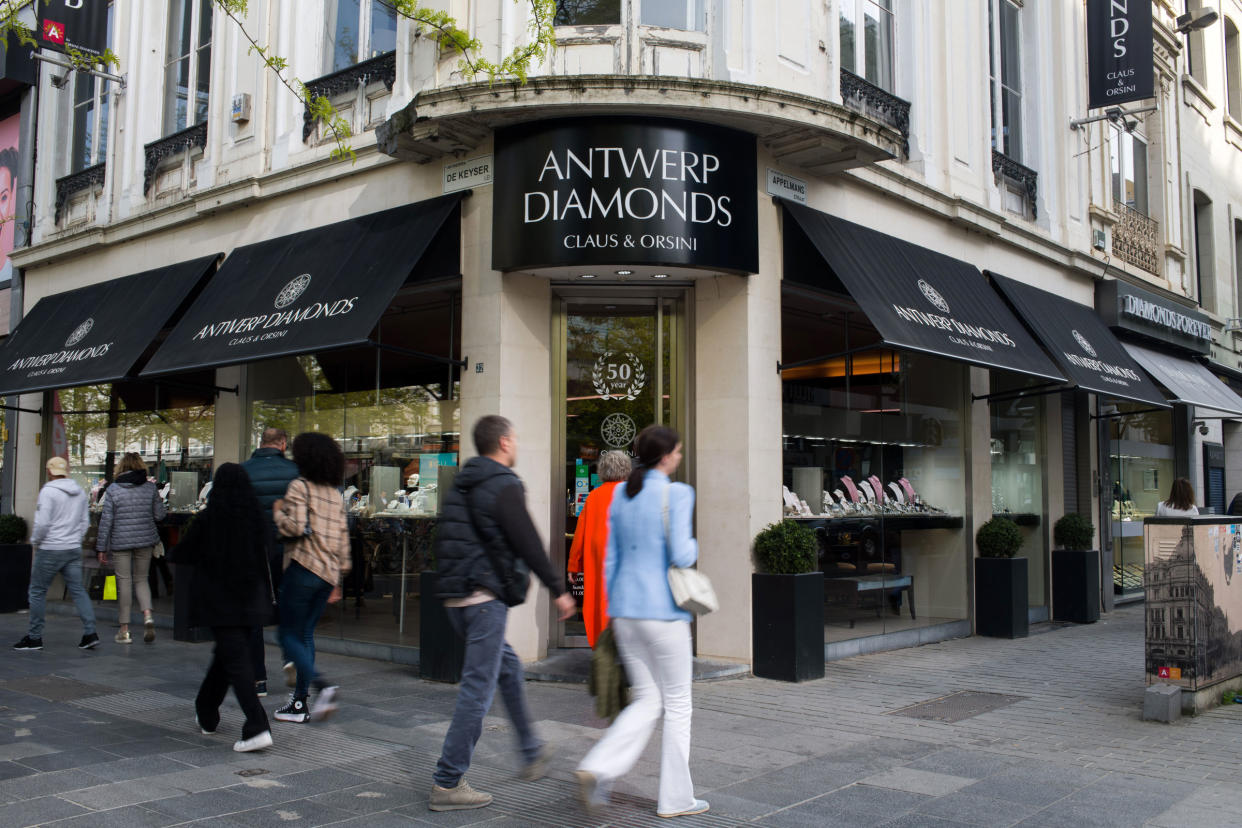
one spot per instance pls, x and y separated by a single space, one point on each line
109 593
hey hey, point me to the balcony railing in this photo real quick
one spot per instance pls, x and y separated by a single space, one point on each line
168 146
868 99
76 183
1136 238
1005 167
382 68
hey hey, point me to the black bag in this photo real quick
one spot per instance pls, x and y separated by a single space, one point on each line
514 574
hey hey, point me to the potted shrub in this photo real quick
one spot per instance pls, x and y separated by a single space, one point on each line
1000 581
15 557
1075 570
787 604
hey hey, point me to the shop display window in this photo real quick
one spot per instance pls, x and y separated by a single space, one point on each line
1141 465
874 462
1016 448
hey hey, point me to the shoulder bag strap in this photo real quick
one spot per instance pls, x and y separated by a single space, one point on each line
668 540
306 530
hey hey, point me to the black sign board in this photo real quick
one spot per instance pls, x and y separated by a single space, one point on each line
625 191
97 333
1119 52
315 290
81 25
1128 308
1085 349
917 298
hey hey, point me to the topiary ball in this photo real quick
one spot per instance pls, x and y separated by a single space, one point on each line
786 548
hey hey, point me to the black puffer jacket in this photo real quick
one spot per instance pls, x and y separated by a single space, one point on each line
130 510
496 495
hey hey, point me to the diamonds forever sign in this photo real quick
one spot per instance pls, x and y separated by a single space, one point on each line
625 191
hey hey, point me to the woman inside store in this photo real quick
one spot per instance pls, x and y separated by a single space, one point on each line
649 529
586 555
230 592
1181 502
312 516
128 538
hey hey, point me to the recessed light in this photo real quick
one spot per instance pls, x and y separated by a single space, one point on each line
659 275
625 272
587 276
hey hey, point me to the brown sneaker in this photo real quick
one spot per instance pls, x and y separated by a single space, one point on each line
461 798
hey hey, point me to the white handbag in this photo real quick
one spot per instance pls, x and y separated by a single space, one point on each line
692 590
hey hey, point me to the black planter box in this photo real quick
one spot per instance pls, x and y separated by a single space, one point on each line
1001 597
1076 585
787 626
14 576
441 651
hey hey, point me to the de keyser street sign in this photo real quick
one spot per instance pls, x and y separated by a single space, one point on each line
628 191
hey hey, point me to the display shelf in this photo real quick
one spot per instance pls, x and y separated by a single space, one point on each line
898 522
1020 518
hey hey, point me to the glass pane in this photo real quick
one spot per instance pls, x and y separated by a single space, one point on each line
879 49
203 85
1011 118
205 16
179 12
587 12
383 29
1114 154
1017 454
849 58
101 137
1141 457
343 33
674 14
1138 175
176 92
1011 53
83 120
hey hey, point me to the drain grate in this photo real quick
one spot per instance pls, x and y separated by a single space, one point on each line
957 706
55 688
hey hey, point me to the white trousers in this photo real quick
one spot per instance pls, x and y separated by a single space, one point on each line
659 663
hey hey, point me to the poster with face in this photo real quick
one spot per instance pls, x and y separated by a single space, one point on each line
9 134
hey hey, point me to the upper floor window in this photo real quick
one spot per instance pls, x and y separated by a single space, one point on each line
1129 169
592 12
867 40
90 116
1196 61
1205 257
1233 71
359 30
1005 68
689 15
187 72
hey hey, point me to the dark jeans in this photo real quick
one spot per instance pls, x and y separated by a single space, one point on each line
48 562
488 659
258 660
303 596
230 667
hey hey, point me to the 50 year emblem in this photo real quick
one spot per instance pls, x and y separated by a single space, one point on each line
622 378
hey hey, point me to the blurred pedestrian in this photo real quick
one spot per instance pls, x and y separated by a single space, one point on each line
311 517
586 555
61 520
649 529
231 593
1181 502
128 535
270 473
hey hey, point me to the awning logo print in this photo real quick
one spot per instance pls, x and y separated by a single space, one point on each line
290 292
932 295
1083 343
79 333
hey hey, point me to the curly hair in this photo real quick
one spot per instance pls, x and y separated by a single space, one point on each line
319 458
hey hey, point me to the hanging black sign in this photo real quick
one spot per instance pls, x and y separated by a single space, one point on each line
625 191
81 25
1119 52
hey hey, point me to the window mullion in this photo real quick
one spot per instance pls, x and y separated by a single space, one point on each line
364 30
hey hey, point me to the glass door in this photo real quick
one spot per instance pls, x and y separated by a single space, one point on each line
620 367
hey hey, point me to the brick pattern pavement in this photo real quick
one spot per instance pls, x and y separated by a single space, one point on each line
107 738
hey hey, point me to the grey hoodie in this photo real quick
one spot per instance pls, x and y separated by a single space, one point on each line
61 516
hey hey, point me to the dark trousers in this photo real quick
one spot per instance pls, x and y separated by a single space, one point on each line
230 667
258 655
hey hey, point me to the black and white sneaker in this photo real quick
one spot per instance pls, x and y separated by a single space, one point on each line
325 703
260 688
294 711
28 643
88 642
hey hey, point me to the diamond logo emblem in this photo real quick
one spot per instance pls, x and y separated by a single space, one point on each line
79 333
1083 343
290 292
932 295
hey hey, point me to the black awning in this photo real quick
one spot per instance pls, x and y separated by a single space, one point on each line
97 333
311 291
1087 351
1189 382
916 298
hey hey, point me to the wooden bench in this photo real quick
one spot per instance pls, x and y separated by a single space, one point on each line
854 589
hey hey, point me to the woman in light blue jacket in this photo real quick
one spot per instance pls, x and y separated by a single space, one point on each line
649 528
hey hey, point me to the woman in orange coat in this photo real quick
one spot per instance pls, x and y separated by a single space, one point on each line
591 539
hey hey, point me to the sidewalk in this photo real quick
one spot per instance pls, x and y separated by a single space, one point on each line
107 738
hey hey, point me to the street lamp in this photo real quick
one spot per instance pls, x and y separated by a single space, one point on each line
1193 21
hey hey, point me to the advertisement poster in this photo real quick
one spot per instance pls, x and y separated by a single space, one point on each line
9 136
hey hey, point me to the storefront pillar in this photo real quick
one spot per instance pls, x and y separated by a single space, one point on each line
737 441
978 445
506 336
231 419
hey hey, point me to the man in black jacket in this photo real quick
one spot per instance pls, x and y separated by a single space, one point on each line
270 474
484 527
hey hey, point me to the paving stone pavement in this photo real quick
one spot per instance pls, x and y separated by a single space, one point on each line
107 738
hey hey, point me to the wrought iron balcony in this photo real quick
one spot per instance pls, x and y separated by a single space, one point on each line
382 68
868 99
76 183
168 146
1136 238
1005 167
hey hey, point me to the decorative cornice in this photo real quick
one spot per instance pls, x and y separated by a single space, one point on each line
178 142
1005 167
865 97
382 68
76 183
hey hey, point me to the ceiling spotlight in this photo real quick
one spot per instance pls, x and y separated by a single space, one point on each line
625 272
587 276
659 275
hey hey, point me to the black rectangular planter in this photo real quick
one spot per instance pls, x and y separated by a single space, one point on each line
1076 585
1001 597
787 626
14 576
441 651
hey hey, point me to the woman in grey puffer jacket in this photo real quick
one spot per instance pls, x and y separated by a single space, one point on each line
127 532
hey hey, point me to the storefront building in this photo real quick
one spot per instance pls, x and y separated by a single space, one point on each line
797 269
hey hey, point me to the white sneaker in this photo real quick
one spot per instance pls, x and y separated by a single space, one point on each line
202 729
258 742
325 703
700 806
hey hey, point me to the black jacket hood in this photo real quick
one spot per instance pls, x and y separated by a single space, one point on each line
478 470
132 478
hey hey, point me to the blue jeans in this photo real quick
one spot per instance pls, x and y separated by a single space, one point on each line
303 597
488 659
48 562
